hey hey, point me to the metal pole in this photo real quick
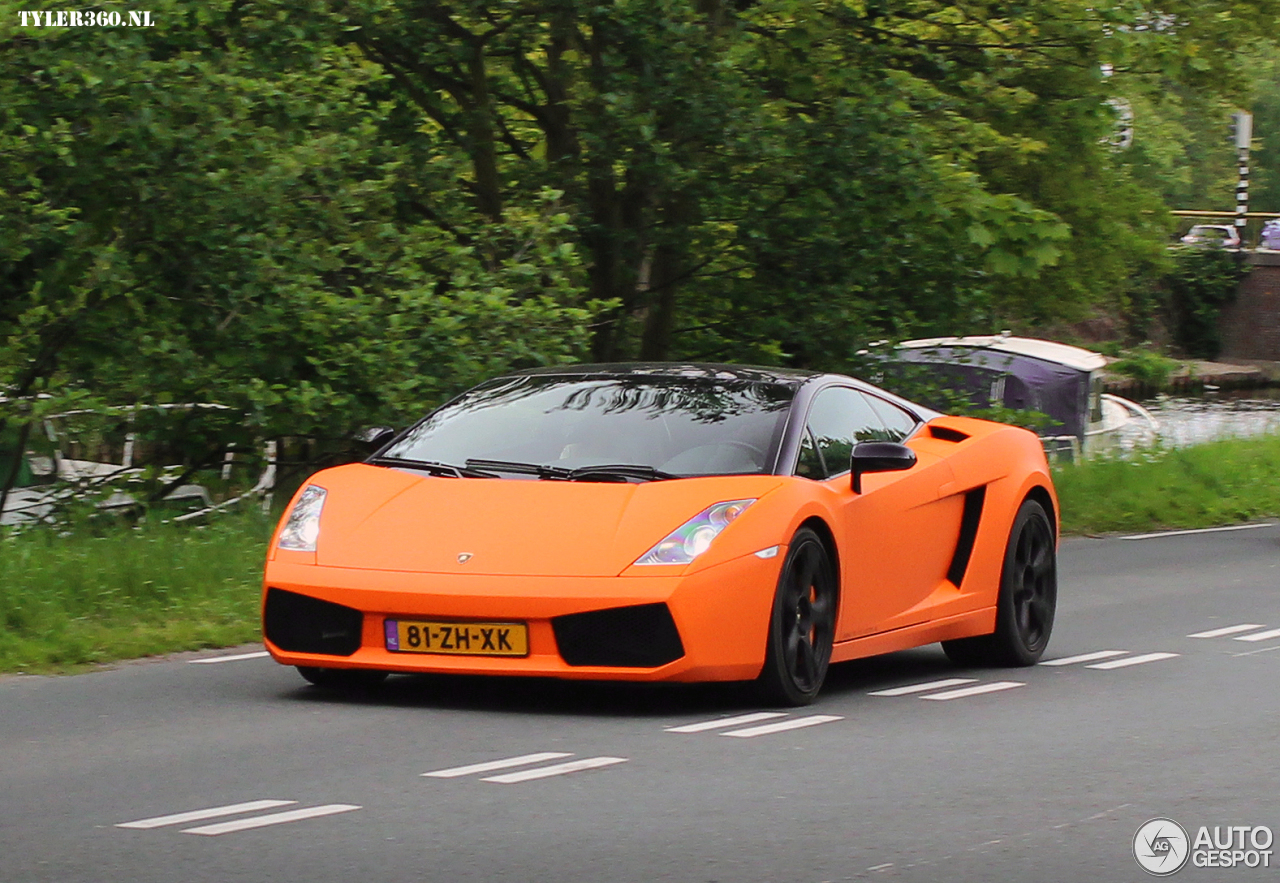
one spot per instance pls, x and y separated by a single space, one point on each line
1244 134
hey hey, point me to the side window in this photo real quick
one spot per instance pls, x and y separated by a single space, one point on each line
838 419
809 463
898 424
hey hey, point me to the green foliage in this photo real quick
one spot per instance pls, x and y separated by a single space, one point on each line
1203 280
1145 365
115 592
1202 486
193 216
1264 161
328 216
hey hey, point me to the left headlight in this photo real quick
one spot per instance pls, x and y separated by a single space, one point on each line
694 537
302 527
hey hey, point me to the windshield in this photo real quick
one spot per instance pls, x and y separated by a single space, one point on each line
671 425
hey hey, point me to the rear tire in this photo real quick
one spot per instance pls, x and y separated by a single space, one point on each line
1027 601
802 625
348 679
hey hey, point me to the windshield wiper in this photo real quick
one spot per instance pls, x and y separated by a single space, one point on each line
558 473
619 470
433 467
604 471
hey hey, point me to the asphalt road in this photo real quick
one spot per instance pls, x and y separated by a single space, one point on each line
1048 780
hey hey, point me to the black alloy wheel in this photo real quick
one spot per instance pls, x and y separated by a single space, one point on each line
802 626
1028 597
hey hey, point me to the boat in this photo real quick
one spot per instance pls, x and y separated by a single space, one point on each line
1029 374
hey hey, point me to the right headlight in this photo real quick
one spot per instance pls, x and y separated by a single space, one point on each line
694 537
302 527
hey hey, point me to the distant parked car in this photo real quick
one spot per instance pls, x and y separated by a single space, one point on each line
1271 235
1212 236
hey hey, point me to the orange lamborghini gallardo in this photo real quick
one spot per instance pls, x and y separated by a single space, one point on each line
673 522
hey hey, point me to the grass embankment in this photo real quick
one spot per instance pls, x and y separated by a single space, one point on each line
1201 486
69 601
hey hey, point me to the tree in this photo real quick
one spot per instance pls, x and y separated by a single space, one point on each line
190 219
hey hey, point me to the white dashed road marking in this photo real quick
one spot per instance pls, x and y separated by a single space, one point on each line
965 692
923 688
723 722
492 765
279 818
202 814
559 769
236 658
1228 630
1086 657
782 726
1132 660
1261 636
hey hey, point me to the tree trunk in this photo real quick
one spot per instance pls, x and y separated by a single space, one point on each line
655 345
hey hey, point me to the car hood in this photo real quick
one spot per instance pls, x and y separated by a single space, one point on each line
378 518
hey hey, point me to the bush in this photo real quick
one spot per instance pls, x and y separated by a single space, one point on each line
1145 366
1202 282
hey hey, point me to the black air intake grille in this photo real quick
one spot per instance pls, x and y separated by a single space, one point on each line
301 624
644 636
969 521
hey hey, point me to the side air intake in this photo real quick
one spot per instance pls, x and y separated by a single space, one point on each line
946 433
644 636
969 520
301 624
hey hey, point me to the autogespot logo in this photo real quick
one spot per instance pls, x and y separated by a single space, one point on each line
1161 847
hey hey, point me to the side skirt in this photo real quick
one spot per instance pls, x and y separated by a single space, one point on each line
964 625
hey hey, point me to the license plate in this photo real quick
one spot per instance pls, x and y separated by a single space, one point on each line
458 638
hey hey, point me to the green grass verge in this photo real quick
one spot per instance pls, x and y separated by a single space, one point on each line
84 598
91 597
1202 486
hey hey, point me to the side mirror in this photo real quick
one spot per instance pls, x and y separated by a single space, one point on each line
879 457
374 437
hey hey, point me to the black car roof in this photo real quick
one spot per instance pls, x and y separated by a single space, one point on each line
706 370
789 377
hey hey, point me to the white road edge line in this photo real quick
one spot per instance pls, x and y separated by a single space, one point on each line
727 722
211 813
782 726
559 769
1228 630
239 656
1132 660
1261 636
490 766
924 688
1085 657
975 691
1183 533
279 818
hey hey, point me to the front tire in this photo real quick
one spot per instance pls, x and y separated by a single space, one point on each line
1028 598
346 679
802 625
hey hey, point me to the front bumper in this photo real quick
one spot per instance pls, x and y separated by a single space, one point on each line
720 615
